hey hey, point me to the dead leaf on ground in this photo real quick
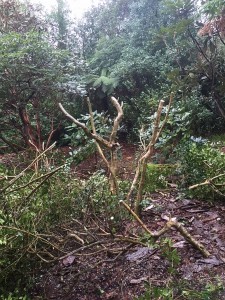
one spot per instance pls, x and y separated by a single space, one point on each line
213 261
68 260
140 253
179 244
149 207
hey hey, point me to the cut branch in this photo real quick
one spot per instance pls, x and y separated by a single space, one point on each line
102 143
27 168
89 134
118 119
206 182
140 174
171 223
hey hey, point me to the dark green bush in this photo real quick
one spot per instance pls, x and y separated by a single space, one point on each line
157 176
96 200
199 160
82 145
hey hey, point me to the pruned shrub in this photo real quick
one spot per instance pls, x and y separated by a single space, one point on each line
158 176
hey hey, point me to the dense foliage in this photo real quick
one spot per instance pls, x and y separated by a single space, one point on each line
35 74
139 51
152 47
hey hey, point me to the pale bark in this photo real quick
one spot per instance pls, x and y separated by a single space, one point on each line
140 174
111 145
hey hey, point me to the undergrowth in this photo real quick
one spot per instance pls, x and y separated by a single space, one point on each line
34 202
33 205
183 290
199 160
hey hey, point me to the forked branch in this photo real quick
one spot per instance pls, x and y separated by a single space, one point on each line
102 143
208 181
171 223
140 174
96 137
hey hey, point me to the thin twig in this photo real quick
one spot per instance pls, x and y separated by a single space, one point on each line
34 180
27 168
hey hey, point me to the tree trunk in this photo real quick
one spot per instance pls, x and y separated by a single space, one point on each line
29 135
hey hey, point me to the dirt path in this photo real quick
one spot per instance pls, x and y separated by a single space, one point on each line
126 163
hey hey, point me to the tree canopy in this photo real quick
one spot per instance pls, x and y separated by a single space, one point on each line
137 50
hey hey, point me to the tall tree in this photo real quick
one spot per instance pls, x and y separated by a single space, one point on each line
33 75
20 17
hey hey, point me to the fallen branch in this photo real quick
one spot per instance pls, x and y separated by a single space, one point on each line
188 237
136 217
170 223
27 168
83 248
34 180
206 182
32 246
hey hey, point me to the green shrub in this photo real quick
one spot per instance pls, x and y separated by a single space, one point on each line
202 120
200 161
96 200
82 145
157 176
184 290
155 292
14 296
34 205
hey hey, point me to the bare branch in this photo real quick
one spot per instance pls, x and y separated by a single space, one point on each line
96 137
166 117
101 142
148 153
206 182
136 217
27 168
94 132
117 120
